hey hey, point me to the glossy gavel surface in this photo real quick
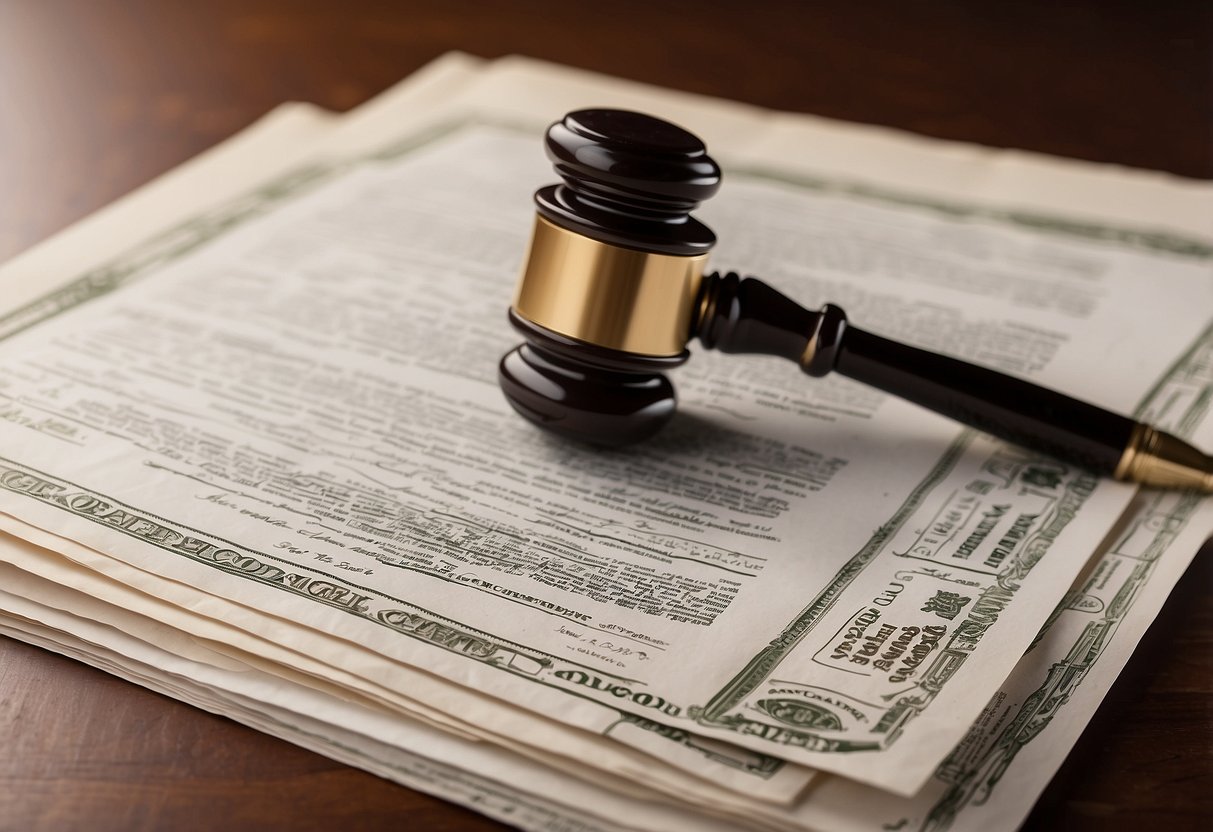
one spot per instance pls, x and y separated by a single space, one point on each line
748 316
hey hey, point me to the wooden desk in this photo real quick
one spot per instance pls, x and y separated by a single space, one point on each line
98 96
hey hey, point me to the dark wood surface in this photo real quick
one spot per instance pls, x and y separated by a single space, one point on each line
98 96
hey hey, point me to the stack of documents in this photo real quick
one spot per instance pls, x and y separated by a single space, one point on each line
253 455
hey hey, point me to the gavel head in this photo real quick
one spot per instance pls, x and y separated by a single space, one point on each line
609 290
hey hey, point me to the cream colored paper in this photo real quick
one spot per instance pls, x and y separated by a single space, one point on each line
251 378
360 675
1055 689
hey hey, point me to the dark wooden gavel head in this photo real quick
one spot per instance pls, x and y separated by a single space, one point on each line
610 289
614 288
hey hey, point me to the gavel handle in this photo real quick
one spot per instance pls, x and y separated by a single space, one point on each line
1001 405
747 316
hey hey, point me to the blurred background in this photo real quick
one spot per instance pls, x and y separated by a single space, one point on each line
97 95
100 96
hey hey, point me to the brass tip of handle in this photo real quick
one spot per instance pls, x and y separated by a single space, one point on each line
1160 460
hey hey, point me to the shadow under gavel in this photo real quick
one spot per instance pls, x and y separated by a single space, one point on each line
614 287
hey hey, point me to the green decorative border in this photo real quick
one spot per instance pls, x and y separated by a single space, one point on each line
758 668
975 781
163 248
433 629
720 711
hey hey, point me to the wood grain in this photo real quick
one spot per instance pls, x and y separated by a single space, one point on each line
99 96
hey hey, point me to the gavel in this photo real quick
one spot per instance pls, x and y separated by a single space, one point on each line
614 288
